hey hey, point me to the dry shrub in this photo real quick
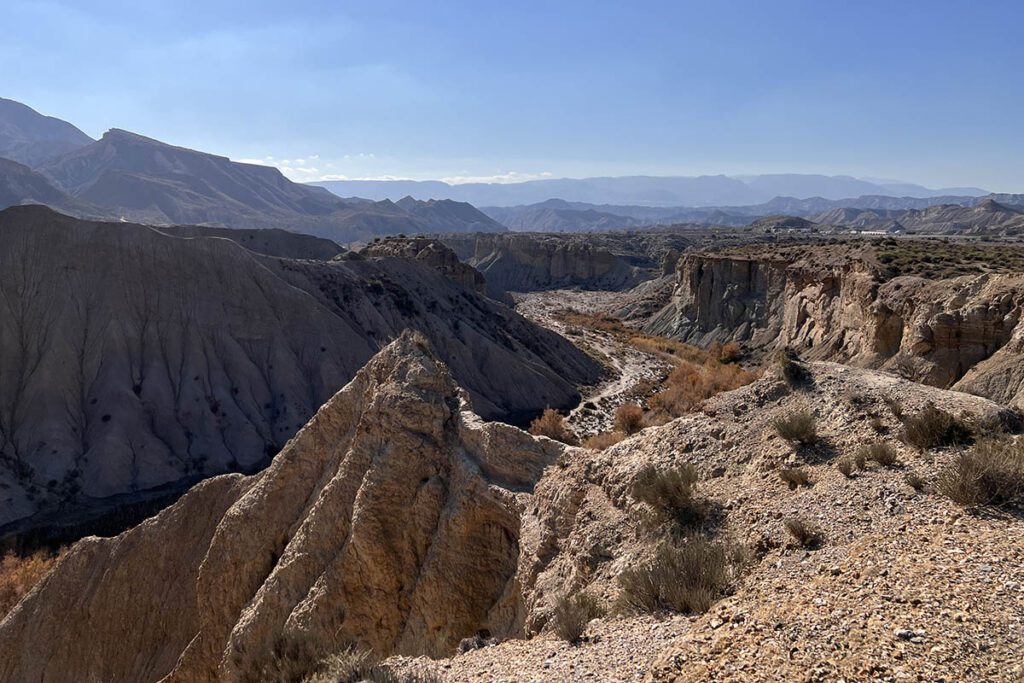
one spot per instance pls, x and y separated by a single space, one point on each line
552 425
860 459
804 533
934 427
895 406
601 441
730 352
798 427
794 476
685 577
915 481
629 418
572 614
355 666
787 364
670 492
18 575
882 453
877 425
991 473
690 384
845 466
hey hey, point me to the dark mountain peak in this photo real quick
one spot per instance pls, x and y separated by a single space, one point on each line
31 138
407 202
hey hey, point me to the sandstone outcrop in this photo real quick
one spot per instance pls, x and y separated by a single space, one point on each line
834 305
132 359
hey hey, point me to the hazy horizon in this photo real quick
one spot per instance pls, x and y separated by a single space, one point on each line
926 93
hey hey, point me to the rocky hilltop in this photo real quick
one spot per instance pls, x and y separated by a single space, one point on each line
133 358
842 303
395 498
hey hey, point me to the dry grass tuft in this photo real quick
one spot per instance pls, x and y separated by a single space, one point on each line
915 481
670 492
552 425
991 473
798 428
690 384
19 575
895 406
730 352
572 614
934 428
882 453
629 418
351 665
686 577
794 476
787 363
804 533
846 466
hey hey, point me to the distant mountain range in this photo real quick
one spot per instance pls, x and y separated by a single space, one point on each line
652 191
556 215
125 176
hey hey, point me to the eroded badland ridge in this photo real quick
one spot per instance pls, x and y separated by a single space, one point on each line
784 446
821 516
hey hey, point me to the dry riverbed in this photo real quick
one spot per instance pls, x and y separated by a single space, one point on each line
632 375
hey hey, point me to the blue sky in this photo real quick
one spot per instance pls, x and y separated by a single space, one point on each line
931 92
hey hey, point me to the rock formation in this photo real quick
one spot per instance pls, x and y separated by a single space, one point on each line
530 262
397 520
390 521
132 359
829 304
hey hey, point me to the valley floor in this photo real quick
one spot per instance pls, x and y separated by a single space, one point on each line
632 374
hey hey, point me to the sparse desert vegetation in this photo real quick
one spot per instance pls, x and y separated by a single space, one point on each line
794 477
629 418
670 492
18 575
936 258
990 473
880 452
683 576
805 533
552 424
798 427
933 427
572 613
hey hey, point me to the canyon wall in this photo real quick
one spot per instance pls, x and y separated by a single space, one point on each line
960 332
531 262
130 359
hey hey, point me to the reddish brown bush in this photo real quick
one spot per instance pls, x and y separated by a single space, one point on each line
18 575
552 425
629 418
601 441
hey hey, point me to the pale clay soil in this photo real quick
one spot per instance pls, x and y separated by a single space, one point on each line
906 586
